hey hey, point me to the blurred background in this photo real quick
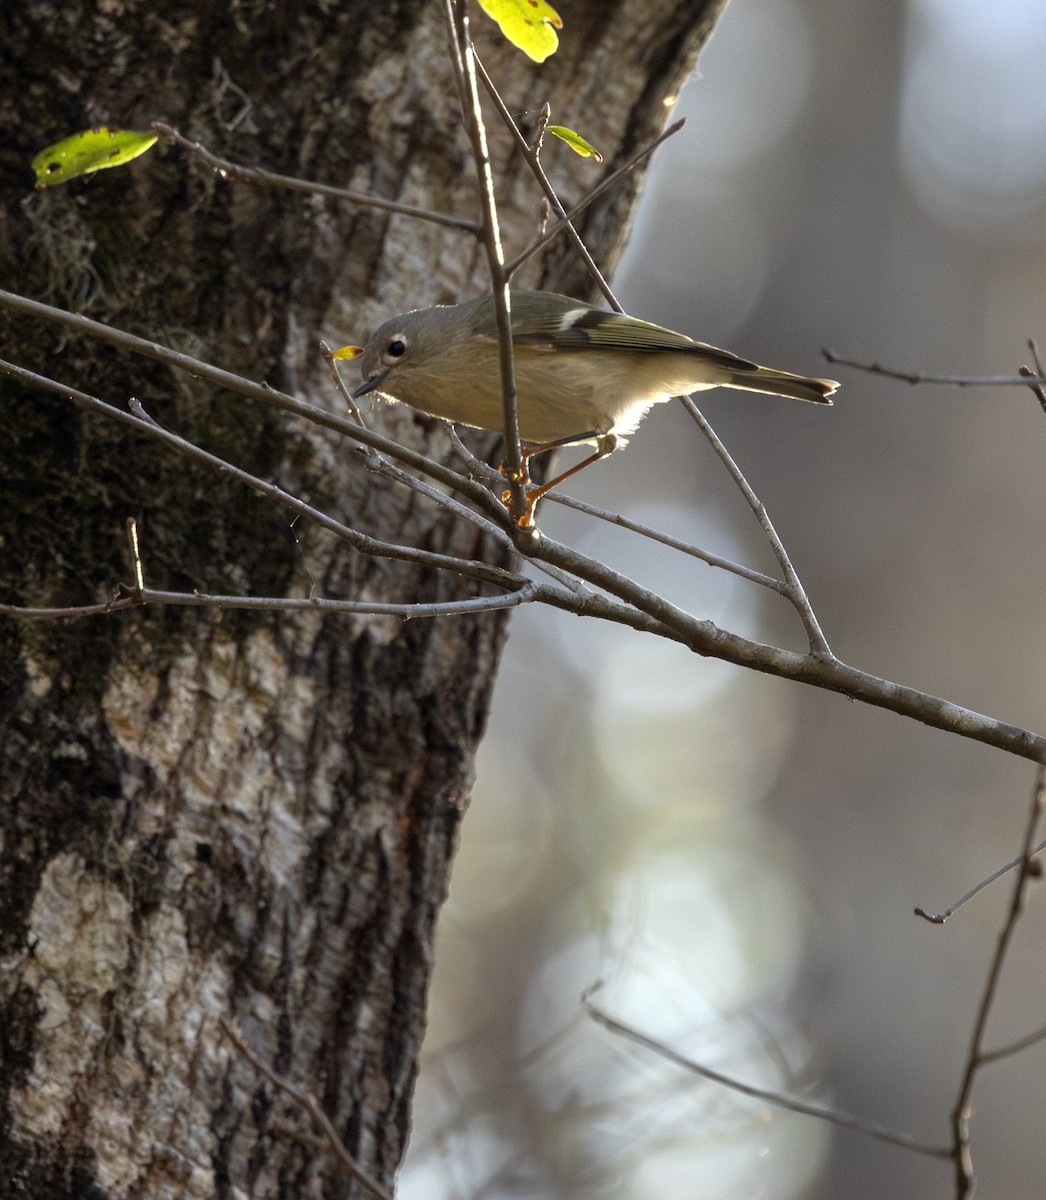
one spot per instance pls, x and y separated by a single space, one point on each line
734 860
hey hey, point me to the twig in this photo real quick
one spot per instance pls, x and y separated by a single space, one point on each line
136 557
794 588
834 1116
940 918
1021 1044
475 465
327 354
262 178
310 1106
464 63
530 154
656 535
614 177
976 1058
831 673
875 368
527 593
1035 377
71 611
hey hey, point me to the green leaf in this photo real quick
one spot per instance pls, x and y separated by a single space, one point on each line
575 141
92 150
528 24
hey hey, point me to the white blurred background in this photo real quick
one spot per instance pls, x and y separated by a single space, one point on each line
734 857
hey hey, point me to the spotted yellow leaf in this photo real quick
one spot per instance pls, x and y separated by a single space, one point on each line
92 150
529 25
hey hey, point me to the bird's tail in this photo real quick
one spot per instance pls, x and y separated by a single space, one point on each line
782 383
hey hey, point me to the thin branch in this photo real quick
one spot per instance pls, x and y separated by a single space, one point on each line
795 590
976 1058
614 177
940 918
665 539
1035 377
834 1116
527 593
72 611
874 368
828 672
1021 1044
259 177
665 619
331 363
531 156
310 1106
475 465
136 557
464 63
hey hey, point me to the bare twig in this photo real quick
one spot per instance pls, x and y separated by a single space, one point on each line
1016 1047
464 62
976 1057
527 593
779 1099
1035 377
136 557
533 159
940 918
262 178
665 539
794 588
116 604
310 1106
569 216
875 368
327 354
828 672
639 607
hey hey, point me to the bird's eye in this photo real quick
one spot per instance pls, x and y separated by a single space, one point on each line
396 348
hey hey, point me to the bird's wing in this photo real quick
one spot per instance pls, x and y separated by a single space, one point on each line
582 327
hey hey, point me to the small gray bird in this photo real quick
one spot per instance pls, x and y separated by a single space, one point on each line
582 374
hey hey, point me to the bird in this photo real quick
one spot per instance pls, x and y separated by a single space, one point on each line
584 375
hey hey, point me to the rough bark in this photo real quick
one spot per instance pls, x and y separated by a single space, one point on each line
205 816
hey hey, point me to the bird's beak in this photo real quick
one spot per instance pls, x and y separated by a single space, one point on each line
348 352
368 385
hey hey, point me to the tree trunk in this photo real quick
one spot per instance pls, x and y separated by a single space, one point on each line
209 819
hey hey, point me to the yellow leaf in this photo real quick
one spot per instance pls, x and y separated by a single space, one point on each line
529 25
92 150
347 352
575 141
